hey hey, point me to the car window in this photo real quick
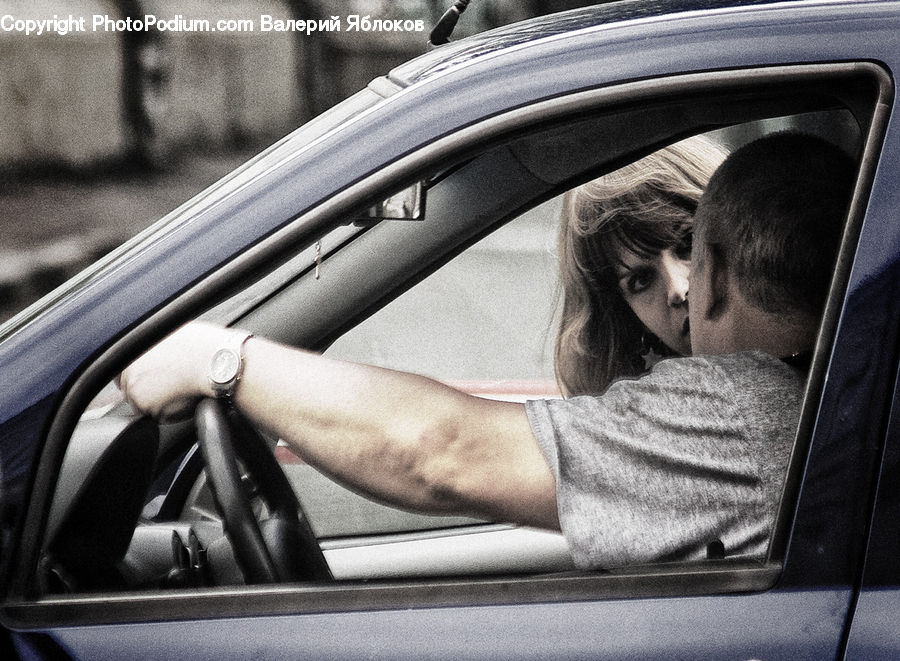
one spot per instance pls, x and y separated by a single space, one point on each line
468 296
483 322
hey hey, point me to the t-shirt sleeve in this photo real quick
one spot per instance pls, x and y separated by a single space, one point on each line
541 422
657 468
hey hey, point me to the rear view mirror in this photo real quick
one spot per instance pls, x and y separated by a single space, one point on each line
408 204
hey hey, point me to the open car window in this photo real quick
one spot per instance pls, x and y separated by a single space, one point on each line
467 296
484 322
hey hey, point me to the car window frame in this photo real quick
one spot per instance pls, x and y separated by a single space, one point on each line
681 579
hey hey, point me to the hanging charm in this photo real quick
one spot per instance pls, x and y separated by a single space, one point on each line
318 257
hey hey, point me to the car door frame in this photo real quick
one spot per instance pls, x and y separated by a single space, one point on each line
493 607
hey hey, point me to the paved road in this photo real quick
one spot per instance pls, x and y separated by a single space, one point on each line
52 228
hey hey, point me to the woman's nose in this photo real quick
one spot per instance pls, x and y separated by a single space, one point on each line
675 274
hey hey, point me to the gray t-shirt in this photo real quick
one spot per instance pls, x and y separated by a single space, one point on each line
658 467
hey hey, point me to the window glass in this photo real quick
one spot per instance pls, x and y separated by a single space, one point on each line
484 321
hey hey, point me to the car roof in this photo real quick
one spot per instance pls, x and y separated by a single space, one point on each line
486 43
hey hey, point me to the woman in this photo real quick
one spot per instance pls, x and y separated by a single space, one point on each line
625 246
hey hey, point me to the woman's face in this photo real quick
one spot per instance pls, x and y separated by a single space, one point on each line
656 289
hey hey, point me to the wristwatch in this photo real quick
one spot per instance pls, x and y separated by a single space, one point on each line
227 364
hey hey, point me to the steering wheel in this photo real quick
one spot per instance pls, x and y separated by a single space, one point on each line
282 548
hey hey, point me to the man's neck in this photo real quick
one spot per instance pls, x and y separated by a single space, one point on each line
750 328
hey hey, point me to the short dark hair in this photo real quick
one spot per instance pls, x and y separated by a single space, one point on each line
775 211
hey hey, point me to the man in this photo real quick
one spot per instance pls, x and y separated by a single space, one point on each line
656 468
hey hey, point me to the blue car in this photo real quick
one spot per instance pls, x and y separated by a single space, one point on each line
412 226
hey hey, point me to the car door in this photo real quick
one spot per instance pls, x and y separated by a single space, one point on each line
873 634
794 604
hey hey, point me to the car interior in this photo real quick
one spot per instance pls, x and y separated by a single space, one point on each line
465 293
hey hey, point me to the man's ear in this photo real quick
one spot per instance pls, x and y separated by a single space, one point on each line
715 279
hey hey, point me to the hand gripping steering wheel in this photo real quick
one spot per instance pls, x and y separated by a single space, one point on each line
282 548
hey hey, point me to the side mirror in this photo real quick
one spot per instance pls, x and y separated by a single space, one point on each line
408 204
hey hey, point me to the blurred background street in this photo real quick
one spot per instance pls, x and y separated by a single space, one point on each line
54 227
104 132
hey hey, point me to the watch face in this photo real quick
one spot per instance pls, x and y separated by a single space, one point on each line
224 367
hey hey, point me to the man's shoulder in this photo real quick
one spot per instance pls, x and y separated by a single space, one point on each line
744 378
713 381
726 365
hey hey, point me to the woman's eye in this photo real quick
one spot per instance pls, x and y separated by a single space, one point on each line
682 249
638 280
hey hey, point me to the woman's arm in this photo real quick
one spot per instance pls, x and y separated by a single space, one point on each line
397 437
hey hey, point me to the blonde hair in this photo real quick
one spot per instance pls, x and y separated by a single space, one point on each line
644 207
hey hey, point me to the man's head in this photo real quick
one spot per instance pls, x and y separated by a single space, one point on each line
766 234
